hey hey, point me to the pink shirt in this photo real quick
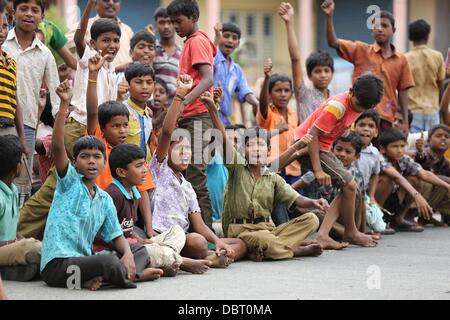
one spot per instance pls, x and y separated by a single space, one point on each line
334 117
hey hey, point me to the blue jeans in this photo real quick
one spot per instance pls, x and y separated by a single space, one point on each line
23 182
424 122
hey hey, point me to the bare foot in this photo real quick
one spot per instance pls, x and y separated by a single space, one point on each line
171 271
219 261
93 284
150 274
374 236
307 242
432 221
312 250
360 239
329 244
195 266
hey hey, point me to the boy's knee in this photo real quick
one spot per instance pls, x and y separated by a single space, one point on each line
32 249
197 244
311 219
350 187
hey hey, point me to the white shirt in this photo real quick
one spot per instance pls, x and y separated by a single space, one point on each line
34 65
106 85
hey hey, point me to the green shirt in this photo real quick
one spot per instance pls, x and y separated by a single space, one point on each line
9 211
54 37
245 194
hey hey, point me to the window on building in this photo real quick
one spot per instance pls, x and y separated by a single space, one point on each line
250 25
267 25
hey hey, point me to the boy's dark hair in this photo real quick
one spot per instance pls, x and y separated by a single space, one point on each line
279 77
256 132
232 27
47 116
110 109
187 8
436 128
104 25
410 116
389 136
122 155
369 90
10 155
138 69
161 12
319 59
419 30
88 142
235 127
388 15
142 35
40 3
352 138
372 114
163 84
2 6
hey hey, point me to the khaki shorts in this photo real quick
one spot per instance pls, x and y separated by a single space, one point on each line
331 166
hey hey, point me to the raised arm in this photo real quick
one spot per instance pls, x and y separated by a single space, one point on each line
68 57
184 84
293 153
217 33
286 13
264 96
328 7
95 64
78 38
61 160
207 82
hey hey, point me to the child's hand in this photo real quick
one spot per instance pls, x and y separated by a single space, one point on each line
322 178
129 265
286 11
64 91
218 94
207 99
96 62
420 143
306 139
149 29
122 90
328 7
424 209
321 204
268 68
184 84
218 30
222 246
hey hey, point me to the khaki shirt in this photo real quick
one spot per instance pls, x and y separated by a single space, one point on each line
123 56
427 66
245 194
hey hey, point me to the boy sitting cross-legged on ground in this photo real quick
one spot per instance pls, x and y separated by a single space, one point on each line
326 124
174 201
252 193
80 210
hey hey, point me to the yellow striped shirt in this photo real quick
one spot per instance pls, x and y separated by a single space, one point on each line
8 83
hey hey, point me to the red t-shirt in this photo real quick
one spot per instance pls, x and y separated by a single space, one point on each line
198 49
333 118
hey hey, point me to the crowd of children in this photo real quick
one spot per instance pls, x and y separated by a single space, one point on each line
143 173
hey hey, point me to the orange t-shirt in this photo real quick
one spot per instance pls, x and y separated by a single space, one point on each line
280 143
394 71
105 178
198 49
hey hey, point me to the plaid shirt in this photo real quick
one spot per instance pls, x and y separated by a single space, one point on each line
406 166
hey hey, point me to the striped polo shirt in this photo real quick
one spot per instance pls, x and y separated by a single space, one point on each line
166 67
7 90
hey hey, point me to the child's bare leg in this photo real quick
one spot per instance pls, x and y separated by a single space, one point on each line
150 274
323 237
93 284
406 200
347 212
384 189
195 266
239 247
196 246
3 295
312 250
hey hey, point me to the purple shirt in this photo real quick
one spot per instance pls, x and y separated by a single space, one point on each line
173 201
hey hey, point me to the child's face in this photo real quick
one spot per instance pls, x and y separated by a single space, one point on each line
183 25
144 52
180 154
235 137
257 151
367 129
165 27
160 97
321 77
135 172
10 6
141 88
281 94
28 16
116 130
440 140
229 43
3 29
399 122
383 31
394 150
90 163
107 8
345 152
108 43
